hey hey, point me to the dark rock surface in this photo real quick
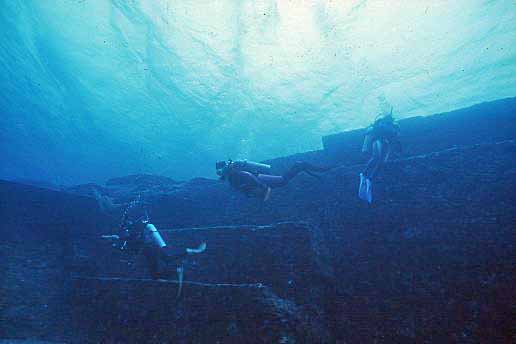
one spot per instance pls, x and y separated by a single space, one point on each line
33 283
35 255
267 270
147 311
431 260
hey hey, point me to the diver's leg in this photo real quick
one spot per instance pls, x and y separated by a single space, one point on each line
271 181
302 166
312 168
377 160
371 164
250 184
365 176
279 181
366 146
152 260
365 189
379 156
168 254
362 187
293 171
387 149
165 258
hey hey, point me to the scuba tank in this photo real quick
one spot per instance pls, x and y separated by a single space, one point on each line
151 235
224 168
139 231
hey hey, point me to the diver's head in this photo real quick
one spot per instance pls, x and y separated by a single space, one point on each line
385 117
222 168
220 165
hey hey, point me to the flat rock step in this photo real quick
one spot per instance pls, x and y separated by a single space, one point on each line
167 281
282 256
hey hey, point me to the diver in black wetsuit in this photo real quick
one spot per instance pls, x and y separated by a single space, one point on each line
253 179
381 138
143 236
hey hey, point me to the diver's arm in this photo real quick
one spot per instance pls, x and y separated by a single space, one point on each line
114 240
111 237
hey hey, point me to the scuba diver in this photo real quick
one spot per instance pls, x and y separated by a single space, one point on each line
253 179
142 236
380 139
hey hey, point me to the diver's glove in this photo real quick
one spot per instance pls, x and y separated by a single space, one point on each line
200 249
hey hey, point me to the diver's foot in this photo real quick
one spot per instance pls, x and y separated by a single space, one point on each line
201 248
369 192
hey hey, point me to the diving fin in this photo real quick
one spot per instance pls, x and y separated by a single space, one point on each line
201 248
180 272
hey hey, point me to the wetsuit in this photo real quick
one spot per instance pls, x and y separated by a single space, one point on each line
382 136
143 236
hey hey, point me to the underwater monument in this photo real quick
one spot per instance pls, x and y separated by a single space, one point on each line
429 260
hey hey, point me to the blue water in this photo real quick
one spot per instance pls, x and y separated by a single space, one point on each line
96 89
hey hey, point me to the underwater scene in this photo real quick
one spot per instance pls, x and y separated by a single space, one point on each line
257 171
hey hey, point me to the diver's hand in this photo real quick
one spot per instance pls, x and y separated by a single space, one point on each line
200 249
